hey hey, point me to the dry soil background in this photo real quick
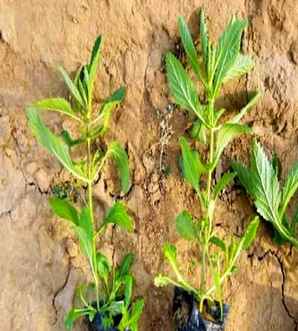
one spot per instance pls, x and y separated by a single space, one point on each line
40 262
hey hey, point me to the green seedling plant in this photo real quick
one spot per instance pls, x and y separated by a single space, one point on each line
111 287
216 65
261 181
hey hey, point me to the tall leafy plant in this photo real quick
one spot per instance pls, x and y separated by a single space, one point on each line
214 66
270 197
112 286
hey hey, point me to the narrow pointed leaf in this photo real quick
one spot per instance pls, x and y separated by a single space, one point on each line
181 87
191 163
58 105
252 102
222 183
290 188
64 209
226 134
189 46
119 155
242 65
55 145
228 49
71 86
204 39
250 233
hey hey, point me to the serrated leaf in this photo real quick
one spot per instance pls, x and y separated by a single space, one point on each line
181 87
189 46
119 155
266 185
185 226
253 100
191 164
262 184
72 87
228 50
118 215
59 105
64 209
289 189
225 135
242 65
250 233
222 183
55 145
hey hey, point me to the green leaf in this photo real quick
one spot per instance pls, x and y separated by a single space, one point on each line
265 185
64 209
222 183
289 189
93 64
128 284
119 155
262 184
136 311
70 142
242 65
199 132
59 105
72 87
106 110
161 281
218 242
191 164
228 50
85 242
250 233
74 314
185 226
103 267
170 253
85 222
252 102
126 264
116 307
225 135
204 39
189 46
55 145
118 215
181 87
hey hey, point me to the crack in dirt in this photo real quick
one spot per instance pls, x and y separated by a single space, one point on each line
61 288
283 273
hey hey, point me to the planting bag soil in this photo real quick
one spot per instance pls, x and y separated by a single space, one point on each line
188 317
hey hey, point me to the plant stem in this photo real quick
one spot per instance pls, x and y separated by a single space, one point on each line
90 204
208 208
